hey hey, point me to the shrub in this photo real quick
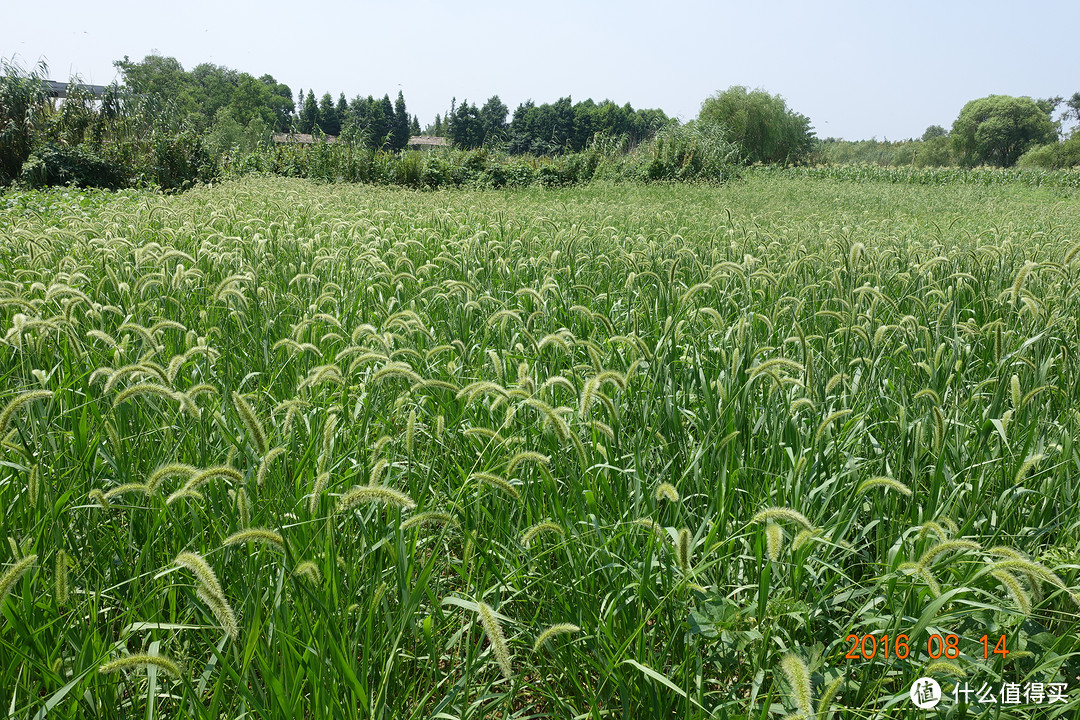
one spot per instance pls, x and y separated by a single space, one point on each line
695 151
1053 156
79 166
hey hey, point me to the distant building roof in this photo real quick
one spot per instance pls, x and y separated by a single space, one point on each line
302 138
427 141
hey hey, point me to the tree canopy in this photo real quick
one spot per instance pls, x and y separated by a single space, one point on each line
199 95
998 129
760 124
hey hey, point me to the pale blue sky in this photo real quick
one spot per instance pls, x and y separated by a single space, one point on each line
856 69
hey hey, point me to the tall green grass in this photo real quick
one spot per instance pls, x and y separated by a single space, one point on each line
605 451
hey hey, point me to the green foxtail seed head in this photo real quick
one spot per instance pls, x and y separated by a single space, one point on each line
947 546
541 528
931 526
526 456
1027 465
838 415
17 402
410 432
498 482
32 486
883 482
251 421
317 491
923 573
264 465
145 389
798 677
243 507
180 470
377 470
430 517
12 575
782 513
1033 570
124 489
828 694
258 535
309 571
652 526
1015 589
222 611
805 536
683 549
224 472
667 491
495 636
202 571
184 493
365 495
130 662
944 667
774 541
553 631
62 591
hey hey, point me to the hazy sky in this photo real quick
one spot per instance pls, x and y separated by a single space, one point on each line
856 69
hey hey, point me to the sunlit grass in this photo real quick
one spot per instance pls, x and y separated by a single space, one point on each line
284 450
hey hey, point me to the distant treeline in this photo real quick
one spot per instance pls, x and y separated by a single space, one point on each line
997 131
549 128
237 109
139 137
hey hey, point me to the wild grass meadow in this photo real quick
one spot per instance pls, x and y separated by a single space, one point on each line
273 449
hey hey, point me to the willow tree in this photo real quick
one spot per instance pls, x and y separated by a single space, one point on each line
760 124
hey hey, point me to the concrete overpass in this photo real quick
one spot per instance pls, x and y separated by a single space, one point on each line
60 89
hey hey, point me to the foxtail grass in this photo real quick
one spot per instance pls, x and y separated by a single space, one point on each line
496 638
131 662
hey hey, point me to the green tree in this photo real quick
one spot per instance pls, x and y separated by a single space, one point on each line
464 126
162 84
760 124
342 112
1073 105
213 87
309 115
492 119
934 131
998 129
382 123
328 122
400 132
251 101
281 103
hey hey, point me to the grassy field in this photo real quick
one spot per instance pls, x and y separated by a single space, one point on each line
277 449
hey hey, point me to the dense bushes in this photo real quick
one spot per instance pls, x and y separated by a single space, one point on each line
117 140
52 164
1053 155
692 152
